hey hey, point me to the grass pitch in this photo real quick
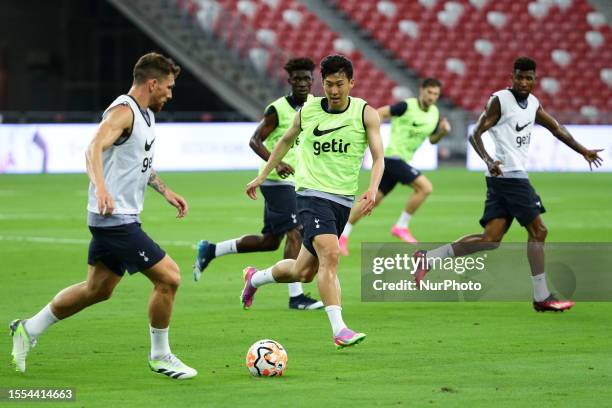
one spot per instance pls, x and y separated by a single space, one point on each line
416 354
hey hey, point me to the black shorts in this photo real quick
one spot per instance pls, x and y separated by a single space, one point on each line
280 210
396 171
123 247
320 216
511 198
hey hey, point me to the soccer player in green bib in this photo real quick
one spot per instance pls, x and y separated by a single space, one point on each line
412 121
278 189
334 132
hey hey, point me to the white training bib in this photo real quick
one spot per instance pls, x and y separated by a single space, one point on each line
127 164
512 132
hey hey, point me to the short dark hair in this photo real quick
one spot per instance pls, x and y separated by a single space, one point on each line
333 64
524 64
154 65
299 64
431 82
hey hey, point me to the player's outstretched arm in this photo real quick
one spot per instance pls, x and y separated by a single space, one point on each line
486 121
372 125
280 150
443 128
174 199
116 121
560 132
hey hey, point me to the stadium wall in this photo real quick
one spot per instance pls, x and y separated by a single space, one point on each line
60 148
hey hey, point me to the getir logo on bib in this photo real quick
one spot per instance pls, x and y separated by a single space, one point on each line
333 146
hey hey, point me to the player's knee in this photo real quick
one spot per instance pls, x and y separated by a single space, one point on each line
539 233
306 276
174 278
169 284
171 278
101 293
426 189
544 232
330 256
423 186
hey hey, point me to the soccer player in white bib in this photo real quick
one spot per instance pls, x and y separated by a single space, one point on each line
119 164
509 117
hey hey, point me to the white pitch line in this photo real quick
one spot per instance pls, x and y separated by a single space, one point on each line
78 241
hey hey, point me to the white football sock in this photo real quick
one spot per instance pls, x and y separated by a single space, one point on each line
347 229
37 324
295 289
403 220
226 247
540 289
261 278
445 251
334 313
159 343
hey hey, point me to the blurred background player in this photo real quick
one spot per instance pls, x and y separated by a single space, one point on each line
119 160
335 131
509 117
412 121
280 208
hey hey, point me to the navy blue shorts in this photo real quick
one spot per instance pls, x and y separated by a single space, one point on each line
511 198
396 171
280 210
320 216
124 247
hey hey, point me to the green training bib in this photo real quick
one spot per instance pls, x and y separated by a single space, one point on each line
410 130
332 147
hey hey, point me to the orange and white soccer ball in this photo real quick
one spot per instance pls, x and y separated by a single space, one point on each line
266 358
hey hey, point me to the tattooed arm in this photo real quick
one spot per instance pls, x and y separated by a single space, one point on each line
157 184
174 199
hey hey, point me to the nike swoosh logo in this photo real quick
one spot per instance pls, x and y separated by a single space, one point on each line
318 132
417 124
148 145
519 128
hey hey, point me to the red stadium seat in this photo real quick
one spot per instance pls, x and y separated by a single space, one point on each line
315 39
522 34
